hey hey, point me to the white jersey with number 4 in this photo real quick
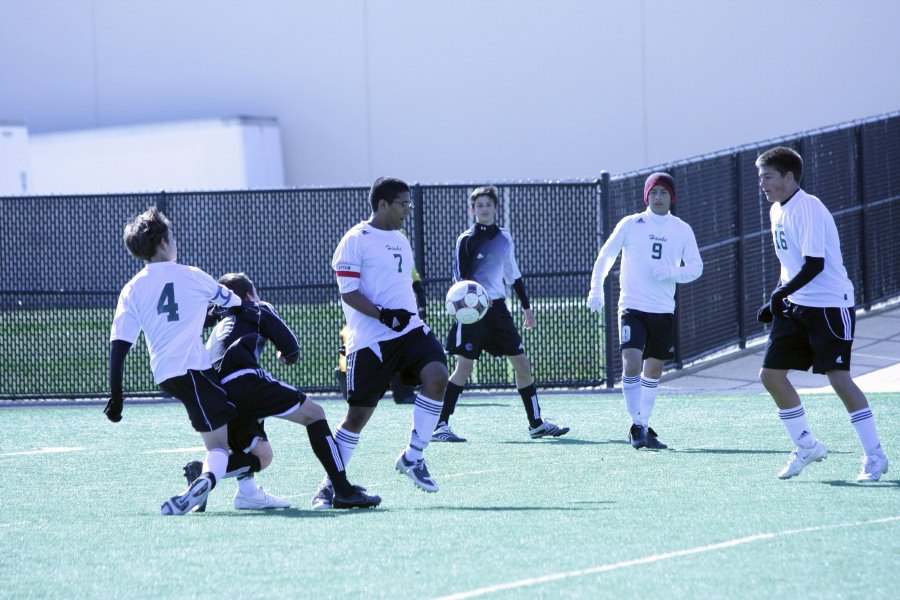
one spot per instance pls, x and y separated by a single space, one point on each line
168 301
379 264
804 227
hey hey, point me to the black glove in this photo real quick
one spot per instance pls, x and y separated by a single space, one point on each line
113 410
780 309
395 318
764 314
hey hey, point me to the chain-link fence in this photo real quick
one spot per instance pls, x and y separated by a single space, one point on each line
63 261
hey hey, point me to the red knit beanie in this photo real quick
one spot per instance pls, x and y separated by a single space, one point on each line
663 179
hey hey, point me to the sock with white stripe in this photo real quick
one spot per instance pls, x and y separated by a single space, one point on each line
346 442
425 418
326 450
532 408
864 422
215 464
631 389
794 420
649 391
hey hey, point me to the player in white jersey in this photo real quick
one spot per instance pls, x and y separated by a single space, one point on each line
169 301
485 253
812 314
654 244
373 264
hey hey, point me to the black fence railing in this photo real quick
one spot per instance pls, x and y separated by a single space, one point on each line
63 261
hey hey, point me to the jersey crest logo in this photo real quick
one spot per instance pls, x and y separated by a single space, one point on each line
364 232
640 220
480 256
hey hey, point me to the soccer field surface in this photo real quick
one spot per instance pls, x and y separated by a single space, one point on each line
583 516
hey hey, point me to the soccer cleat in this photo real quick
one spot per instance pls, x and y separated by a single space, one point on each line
259 501
443 433
193 496
637 435
418 472
547 429
801 457
324 498
192 471
653 442
874 466
358 499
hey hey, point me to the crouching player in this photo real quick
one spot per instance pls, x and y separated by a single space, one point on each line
235 346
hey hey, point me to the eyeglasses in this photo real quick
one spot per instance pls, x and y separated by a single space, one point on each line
403 204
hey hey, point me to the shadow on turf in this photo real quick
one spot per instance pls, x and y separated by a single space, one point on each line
853 484
735 451
522 508
565 441
288 513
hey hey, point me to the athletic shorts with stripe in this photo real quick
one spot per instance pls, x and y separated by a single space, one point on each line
495 333
257 396
204 398
369 370
652 333
815 337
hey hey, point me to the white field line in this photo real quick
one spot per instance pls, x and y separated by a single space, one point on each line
656 558
177 450
48 450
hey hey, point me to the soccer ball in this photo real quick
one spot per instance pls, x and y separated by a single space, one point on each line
467 301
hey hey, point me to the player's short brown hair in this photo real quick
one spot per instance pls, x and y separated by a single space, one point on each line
238 283
490 191
144 233
783 160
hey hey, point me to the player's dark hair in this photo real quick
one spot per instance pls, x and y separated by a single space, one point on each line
238 283
783 160
144 233
387 189
490 191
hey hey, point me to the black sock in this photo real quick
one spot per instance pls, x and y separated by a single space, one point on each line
451 397
242 464
327 452
532 408
211 477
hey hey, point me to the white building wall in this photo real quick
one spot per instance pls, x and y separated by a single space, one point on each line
469 90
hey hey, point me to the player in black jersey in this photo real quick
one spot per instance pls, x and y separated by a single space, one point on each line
485 253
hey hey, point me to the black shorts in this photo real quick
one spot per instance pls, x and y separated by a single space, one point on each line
244 433
495 332
815 337
258 395
203 396
369 376
653 333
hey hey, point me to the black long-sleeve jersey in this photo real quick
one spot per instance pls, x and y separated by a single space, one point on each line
237 341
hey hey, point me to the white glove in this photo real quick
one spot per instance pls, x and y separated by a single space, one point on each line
595 301
662 272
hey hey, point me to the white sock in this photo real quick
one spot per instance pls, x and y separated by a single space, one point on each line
216 462
425 417
346 442
864 422
631 389
649 390
794 420
247 485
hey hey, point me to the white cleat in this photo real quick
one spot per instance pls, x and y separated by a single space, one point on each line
194 495
801 457
259 501
873 467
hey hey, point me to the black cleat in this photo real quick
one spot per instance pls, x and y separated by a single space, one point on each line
358 499
192 471
637 436
653 442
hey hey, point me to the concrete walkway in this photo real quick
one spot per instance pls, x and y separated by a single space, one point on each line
875 363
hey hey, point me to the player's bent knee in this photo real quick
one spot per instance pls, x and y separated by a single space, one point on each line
263 451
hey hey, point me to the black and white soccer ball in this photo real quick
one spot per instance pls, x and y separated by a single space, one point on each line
467 301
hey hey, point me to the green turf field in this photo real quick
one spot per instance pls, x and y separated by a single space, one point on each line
583 516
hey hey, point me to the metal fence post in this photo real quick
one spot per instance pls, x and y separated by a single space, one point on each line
608 311
419 229
739 253
865 246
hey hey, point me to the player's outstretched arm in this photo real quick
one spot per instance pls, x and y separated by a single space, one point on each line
118 350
